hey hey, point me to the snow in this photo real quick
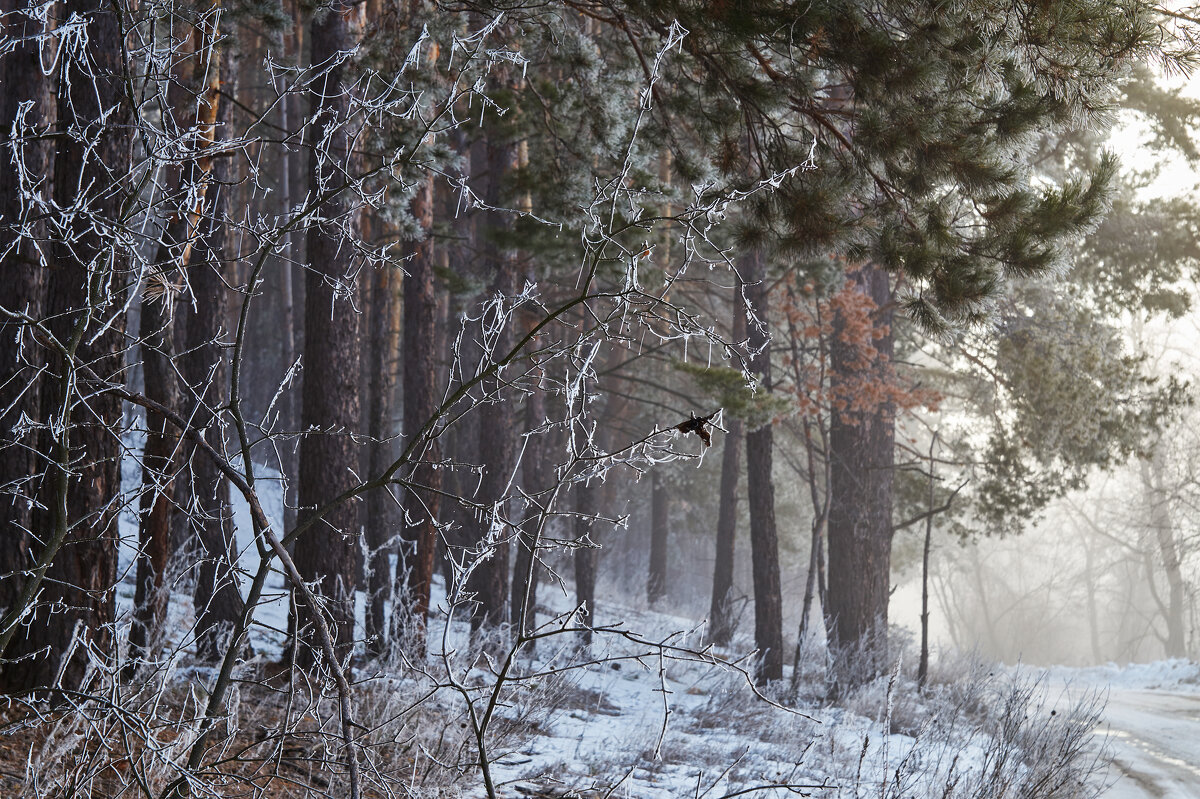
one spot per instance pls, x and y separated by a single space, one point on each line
1177 674
639 720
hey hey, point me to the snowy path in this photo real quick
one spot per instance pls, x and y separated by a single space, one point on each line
1155 740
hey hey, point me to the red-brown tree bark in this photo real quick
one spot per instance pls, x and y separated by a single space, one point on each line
421 350
326 553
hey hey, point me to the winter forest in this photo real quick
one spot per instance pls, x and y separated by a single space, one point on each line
599 399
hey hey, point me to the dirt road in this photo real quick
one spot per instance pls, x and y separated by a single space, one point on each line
1155 741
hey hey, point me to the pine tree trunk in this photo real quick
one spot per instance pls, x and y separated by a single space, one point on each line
764 543
536 477
421 348
721 627
862 455
720 611
656 584
75 606
497 432
205 368
326 553
24 285
586 500
381 524
158 472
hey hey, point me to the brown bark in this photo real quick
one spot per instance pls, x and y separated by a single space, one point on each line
158 475
660 507
326 552
22 267
75 604
764 541
381 522
862 455
421 348
205 368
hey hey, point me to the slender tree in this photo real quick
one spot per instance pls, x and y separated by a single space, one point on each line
764 541
720 613
660 521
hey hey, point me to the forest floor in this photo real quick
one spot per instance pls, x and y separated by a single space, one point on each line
647 711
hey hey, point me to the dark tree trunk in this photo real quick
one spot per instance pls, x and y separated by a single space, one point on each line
760 486
720 612
158 472
497 432
289 111
161 458
421 347
23 268
204 367
923 663
586 497
862 445
326 553
536 477
381 521
660 507
79 524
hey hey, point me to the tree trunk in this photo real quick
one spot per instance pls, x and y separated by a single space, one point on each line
75 607
204 367
421 347
764 543
381 520
861 455
1175 643
721 610
326 553
537 476
158 471
586 497
660 507
23 266
497 433
923 665
1089 577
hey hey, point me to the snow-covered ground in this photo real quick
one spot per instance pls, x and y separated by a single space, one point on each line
630 719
